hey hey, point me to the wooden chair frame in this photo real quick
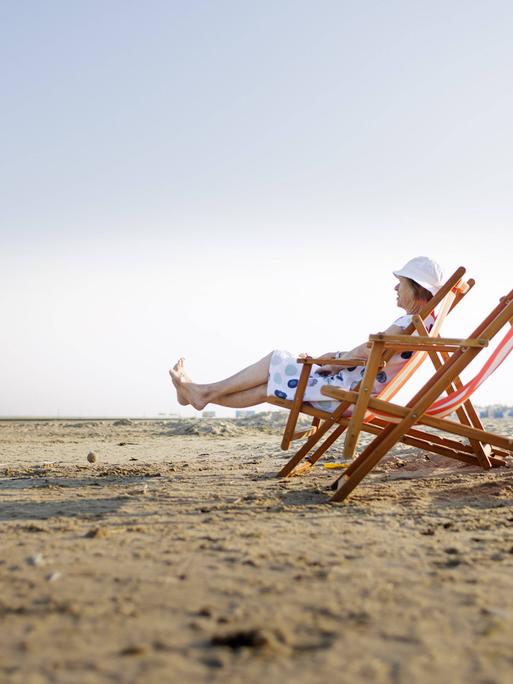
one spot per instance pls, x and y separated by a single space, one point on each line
485 448
448 297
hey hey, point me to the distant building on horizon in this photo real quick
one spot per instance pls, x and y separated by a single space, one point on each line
244 413
495 411
208 414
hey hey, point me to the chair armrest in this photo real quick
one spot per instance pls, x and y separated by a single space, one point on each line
425 343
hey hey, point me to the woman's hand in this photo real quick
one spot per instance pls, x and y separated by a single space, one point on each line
327 370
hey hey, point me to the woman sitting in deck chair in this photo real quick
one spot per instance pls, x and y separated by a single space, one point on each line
277 374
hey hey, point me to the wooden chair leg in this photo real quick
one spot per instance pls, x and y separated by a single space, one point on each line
305 449
296 407
325 426
326 444
364 394
365 462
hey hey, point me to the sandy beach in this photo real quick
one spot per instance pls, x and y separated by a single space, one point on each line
179 557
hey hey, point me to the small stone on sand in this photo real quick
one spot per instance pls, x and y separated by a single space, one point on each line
91 457
97 533
36 559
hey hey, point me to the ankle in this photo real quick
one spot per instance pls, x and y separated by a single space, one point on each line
200 399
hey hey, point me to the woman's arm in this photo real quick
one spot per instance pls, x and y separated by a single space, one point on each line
362 351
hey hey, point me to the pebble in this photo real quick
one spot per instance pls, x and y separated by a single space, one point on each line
91 457
53 576
36 560
97 533
251 638
134 650
213 661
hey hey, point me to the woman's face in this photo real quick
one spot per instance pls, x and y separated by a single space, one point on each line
405 294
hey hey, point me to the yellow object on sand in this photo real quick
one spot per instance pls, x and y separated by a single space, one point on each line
336 466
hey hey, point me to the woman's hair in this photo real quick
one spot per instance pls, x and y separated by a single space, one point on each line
419 291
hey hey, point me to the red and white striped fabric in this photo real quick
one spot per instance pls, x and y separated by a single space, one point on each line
446 405
443 407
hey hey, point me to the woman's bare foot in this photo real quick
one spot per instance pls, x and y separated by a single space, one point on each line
187 392
178 376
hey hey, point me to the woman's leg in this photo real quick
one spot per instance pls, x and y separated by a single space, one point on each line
199 396
244 399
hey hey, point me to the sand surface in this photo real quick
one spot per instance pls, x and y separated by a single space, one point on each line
179 557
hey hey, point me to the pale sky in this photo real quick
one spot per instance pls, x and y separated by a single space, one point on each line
220 179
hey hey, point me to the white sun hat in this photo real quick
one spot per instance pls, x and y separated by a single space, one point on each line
424 271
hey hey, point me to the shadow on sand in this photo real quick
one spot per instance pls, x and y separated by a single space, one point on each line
69 508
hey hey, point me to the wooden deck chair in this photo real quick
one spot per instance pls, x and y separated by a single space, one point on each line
446 299
428 407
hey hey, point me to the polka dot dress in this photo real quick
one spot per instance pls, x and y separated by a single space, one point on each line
284 374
